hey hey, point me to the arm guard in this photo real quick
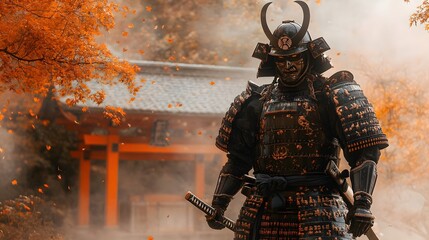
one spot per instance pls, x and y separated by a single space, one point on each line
364 177
227 186
359 127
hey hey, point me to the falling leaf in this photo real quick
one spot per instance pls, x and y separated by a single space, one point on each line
48 147
40 190
179 104
124 34
59 177
84 109
156 27
212 83
124 49
30 111
200 132
36 100
141 51
149 8
338 53
170 105
130 25
46 185
172 58
14 182
10 131
318 2
227 78
153 82
150 238
1 150
225 59
170 40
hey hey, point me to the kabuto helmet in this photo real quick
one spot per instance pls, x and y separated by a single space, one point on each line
288 38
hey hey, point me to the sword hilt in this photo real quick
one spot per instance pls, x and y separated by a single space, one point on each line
209 210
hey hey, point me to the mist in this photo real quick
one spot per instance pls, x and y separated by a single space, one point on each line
371 39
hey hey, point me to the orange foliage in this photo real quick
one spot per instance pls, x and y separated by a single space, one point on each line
401 107
421 16
53 42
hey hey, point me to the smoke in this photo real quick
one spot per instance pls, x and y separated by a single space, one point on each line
372 39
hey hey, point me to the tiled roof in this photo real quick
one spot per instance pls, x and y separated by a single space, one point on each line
179 88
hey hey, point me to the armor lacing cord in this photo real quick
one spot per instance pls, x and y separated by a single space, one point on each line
266 94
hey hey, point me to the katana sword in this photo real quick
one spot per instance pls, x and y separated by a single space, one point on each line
209 210
346 192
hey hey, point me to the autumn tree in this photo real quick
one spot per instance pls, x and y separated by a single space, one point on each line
54 43
200 31
421 16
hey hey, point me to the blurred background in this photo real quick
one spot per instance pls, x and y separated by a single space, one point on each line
173 42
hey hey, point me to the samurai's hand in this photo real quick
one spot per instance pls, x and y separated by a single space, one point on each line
214 221
360 217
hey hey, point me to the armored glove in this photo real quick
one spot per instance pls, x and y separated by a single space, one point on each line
214 221
360 217
227 186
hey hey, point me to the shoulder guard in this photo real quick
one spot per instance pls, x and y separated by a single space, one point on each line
360 126
226 127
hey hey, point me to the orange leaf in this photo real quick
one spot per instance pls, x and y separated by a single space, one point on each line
149 8
59 177
40 190
141 51
130 25
169 40
48 147
124 34
124 49
46 185
14 182
212 83
170 105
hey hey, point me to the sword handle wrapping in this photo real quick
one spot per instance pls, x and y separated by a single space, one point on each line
207 209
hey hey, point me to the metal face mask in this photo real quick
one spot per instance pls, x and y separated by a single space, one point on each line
290 69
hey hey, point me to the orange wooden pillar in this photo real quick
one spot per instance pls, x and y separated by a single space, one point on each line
112 165
200 176
84 189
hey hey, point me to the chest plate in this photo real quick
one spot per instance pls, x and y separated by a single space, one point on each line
292 136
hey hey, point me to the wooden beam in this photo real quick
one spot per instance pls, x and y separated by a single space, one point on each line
84 190
174 148
94 139
102 155
112 165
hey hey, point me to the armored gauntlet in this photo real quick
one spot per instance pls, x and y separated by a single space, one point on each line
363 179
227 186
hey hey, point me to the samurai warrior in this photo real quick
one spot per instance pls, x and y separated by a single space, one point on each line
287 132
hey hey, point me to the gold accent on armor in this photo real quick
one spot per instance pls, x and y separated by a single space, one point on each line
280 152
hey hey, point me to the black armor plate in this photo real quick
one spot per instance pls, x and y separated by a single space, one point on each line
292 138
